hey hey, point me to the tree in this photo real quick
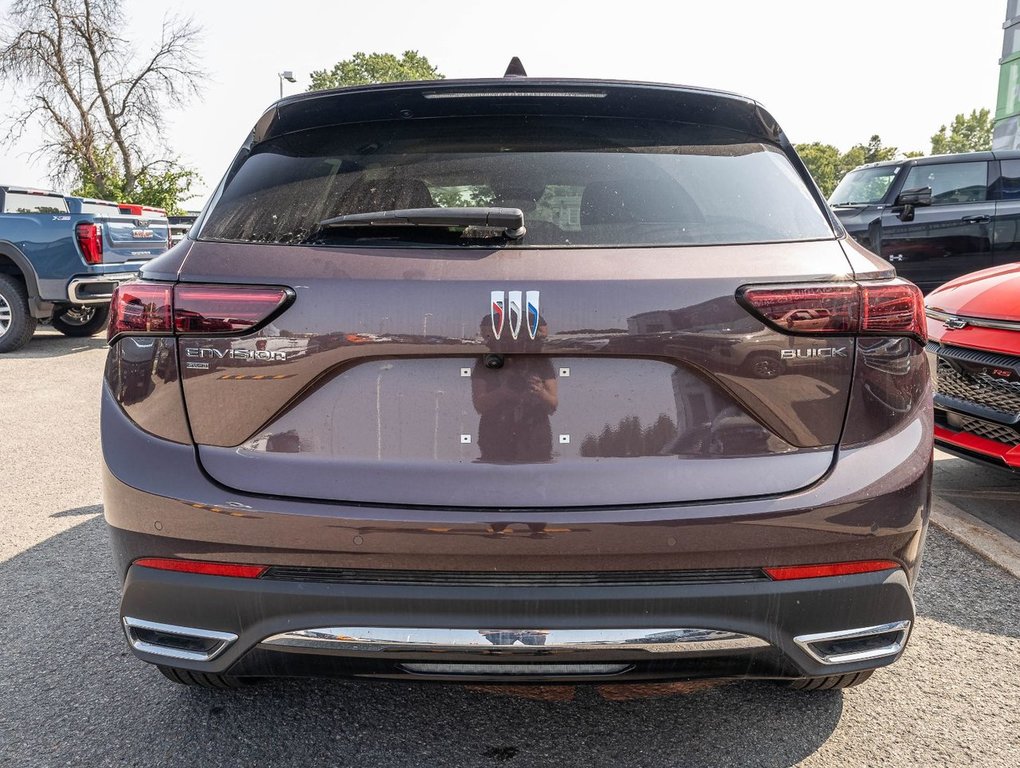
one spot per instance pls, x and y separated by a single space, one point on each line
366 68
828 165
99 102
968 133
823 162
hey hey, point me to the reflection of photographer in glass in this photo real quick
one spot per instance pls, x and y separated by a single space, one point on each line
515 402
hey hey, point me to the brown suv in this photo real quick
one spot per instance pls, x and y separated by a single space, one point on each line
447 383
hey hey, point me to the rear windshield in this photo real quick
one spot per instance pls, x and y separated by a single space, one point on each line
29 202
579 182
99 208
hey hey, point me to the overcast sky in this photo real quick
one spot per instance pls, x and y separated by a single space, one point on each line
831 72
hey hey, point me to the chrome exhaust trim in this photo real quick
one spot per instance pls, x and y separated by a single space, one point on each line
145 636
824 647
344 640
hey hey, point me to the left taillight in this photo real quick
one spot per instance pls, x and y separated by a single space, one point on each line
163 309
141 308
90 240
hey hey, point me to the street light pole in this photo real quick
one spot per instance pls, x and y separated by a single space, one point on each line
285 75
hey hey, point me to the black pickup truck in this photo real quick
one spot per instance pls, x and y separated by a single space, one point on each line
935 218
61 257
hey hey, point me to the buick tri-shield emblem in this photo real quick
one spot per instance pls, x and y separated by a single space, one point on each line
513 310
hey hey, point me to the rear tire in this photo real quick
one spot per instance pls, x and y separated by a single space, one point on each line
81 321
202 679
832 682
16 322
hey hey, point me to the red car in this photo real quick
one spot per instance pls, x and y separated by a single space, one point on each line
974 352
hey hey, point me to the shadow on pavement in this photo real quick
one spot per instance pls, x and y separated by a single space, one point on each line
73 694
53 344
969 592
990 493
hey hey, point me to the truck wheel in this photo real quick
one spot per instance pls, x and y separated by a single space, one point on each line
202 679
832 682
16 322
81 321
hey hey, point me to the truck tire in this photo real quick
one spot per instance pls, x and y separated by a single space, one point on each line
832 682
16 322
81 321
202 679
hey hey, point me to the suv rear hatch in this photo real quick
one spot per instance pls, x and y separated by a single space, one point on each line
602 358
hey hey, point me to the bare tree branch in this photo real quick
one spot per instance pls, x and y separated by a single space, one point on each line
100 103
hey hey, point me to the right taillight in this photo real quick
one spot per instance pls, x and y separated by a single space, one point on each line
885 308
163 309
90 240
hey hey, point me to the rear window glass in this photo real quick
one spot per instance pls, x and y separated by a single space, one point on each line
581 182
99 208
26 202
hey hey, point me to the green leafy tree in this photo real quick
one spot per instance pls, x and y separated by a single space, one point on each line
828 165
823 162
366 68
99 101
163 185
967 133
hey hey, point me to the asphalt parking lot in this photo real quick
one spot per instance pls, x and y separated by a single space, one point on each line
72 694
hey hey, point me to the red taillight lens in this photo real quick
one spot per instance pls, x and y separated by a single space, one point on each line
90 240
887 308
204 309
141 308
236 570
787 573
163 309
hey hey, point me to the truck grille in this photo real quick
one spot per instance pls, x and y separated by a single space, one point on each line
980 388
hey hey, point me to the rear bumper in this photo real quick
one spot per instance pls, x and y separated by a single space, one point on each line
488 633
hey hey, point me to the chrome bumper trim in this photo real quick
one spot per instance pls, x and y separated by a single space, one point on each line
511 670
956 322
220 641
343 640
113 279
901 628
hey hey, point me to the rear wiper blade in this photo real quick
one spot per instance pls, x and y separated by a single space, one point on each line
506 221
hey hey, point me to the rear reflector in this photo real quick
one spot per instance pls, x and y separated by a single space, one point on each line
90 240
886 308
790 572
236 570
161 309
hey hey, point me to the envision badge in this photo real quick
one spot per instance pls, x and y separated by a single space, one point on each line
510 310
234 354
